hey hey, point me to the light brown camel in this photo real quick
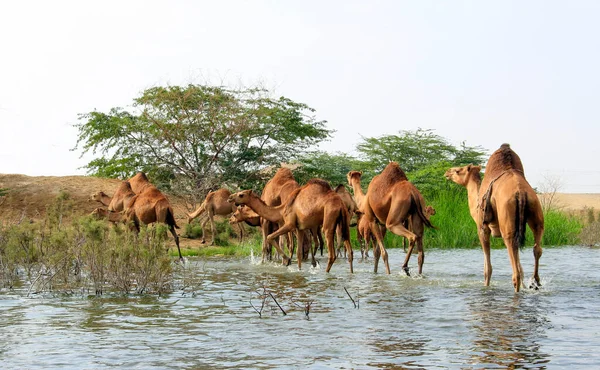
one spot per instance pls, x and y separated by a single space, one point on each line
363 232
245 214
101 213
101 197
275 193
122 198
148 205
429 211
307 208
352 210
215 204
391 199
501 206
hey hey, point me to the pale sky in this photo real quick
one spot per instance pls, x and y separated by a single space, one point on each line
522 72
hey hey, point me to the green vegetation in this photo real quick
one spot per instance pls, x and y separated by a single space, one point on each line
86 256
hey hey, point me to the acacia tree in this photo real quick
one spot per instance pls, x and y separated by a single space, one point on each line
196 138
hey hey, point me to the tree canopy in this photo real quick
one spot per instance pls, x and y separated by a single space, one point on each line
199 136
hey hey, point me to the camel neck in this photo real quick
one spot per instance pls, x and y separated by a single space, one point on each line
472 195
273 214
105 200
358 192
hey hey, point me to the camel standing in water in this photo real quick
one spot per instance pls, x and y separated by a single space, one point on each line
501 206
276 192
391 200
143 203
307 208
363 228
352 208
215 204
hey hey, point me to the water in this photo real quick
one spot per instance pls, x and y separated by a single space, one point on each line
446 319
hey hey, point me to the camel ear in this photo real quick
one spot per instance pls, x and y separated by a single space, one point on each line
360 172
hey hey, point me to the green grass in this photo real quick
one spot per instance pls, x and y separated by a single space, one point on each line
455 228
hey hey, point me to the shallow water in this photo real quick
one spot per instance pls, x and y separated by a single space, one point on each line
445 319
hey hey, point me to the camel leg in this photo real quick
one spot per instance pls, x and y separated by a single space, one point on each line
513 255
264 228
313 250
349 254
241 232
484 238
282 230
380 249
329 239
537 226
399 229
172 230
213 227
321 241
417 228
203 226
339 241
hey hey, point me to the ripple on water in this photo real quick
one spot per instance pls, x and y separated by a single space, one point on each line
445 318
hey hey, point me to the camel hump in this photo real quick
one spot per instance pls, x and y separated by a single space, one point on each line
340 188
393 173
320 182
502 160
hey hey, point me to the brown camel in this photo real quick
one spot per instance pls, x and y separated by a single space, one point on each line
101 197
501 206
352 208
215 204
429 211
122 198
307 208
101 213
275 193
363 232
391 200
245 214
148 205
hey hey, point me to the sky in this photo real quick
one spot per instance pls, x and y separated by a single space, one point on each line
479 72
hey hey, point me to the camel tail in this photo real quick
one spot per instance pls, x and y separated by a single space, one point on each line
343 221
170 218
520 219
420 212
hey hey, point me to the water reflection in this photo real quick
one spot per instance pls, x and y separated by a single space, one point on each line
508 328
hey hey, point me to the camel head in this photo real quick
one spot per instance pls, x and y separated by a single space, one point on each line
241 197
97 196
353 175
462 175
241 214
429 211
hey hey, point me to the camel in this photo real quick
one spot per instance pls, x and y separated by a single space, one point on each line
307 208
122 198
391 200
501 206
101 213
215 204
101 197
276 192
142 202
352 209
363 233
429 211
245 214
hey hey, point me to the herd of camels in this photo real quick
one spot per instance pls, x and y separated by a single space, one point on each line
501 204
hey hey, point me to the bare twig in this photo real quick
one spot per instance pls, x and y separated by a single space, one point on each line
352 299
277 303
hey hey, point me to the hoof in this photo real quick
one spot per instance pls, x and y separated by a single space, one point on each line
406 271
